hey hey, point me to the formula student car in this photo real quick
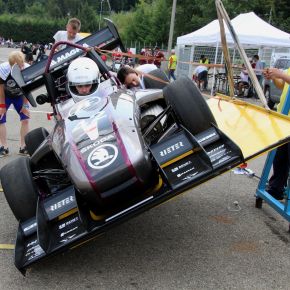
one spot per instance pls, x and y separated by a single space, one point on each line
109 157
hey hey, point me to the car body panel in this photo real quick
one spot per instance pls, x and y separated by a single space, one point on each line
253 128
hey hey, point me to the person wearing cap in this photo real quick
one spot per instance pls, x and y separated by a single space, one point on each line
172 63
204 60
158 56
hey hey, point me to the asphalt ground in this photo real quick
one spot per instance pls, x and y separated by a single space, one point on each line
210 237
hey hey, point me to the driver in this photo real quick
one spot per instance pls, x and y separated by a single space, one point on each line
83 77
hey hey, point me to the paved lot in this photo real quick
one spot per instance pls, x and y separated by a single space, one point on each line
199 240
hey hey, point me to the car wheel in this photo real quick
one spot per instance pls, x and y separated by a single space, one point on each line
34 138
270 103
19 188
190 107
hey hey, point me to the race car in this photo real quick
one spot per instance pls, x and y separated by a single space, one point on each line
109 157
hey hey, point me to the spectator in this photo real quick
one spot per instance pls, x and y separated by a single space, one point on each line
149 55
130 60
104 58
117 56
172 65
10 93
201 76
203 59
243 82
71 33
132 78
40 53
258 67
142 60
27 51
159 56
281 163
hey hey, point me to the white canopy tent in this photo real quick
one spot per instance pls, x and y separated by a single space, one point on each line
252 31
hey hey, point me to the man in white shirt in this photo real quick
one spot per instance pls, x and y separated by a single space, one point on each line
201 76
71 33
243 83
258 67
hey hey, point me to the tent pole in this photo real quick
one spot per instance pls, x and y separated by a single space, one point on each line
228 64
192 51
214 69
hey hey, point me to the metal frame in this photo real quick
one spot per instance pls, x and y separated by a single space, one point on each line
261 194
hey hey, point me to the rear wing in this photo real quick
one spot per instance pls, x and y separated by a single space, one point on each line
32 77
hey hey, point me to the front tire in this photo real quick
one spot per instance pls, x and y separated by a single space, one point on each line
19 188
34 138
190 107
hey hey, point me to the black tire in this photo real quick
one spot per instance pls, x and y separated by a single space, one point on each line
34 138
190 107
19 188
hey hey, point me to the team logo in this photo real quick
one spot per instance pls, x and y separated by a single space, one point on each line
11 84
102 156
88 105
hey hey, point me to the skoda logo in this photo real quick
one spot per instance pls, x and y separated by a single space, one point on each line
102 156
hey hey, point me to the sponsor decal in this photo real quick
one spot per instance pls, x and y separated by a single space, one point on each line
189 176
33 250
30 227
185 172
67 223
216 149
69 231
68 200
217 152
171 149
102 156
97 143
207 137
175 169
67 55
68 238
31 243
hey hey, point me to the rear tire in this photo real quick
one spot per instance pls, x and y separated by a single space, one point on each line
190 107
34 138
19 188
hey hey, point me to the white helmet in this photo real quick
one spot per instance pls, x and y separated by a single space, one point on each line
82 71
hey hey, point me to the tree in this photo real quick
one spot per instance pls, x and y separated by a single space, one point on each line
88 18
36 9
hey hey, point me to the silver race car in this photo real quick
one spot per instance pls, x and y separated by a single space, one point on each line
110 156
